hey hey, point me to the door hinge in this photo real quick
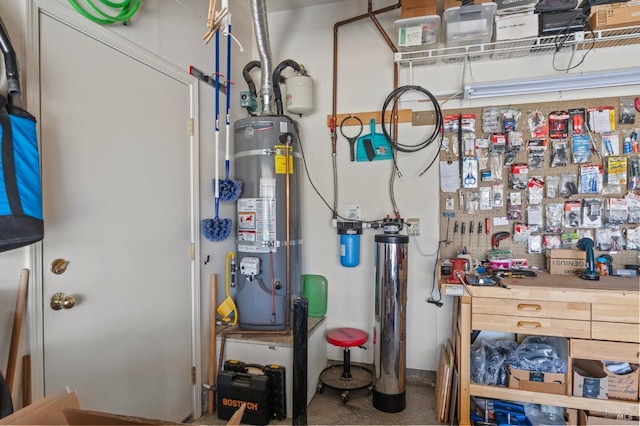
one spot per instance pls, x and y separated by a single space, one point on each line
193 375
192 251
190 127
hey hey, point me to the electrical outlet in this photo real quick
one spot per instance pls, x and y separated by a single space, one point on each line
413 227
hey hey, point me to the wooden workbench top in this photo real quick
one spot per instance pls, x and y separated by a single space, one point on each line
614 290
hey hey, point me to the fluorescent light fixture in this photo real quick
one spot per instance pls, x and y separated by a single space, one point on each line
625 77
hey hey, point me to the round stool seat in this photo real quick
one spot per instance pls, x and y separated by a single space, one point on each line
346 337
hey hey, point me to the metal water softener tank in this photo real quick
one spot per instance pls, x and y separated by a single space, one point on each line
391 268
260 163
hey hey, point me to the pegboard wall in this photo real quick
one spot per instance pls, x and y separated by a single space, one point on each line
477 242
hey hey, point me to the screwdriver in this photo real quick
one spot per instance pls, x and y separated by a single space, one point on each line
486 226
470 227
479 227
462 229
455 228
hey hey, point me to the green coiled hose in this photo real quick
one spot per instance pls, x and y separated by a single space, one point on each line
127 9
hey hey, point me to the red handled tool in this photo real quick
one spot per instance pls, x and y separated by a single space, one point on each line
497 237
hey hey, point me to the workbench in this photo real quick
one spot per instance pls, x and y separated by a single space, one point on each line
601 320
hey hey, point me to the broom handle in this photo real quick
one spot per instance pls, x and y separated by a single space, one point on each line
217 129
18 319
226 164
212 344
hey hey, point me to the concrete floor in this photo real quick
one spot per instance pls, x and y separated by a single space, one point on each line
327 408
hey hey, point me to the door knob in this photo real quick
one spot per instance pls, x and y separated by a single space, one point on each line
62 301
58 266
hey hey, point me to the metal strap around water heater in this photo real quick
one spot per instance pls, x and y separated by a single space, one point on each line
276 243
253 152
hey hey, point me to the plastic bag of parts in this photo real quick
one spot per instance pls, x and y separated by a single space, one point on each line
537 353
489 361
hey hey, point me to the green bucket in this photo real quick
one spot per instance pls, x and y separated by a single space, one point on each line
314 289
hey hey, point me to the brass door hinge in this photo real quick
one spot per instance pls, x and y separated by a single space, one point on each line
193 375
190 127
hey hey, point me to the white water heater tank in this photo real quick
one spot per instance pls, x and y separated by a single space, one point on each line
299 93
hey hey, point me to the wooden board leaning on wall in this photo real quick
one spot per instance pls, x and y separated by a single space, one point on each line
477 244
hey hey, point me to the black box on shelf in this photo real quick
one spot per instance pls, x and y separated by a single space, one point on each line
557 22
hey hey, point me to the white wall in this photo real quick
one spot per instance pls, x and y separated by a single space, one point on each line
365 78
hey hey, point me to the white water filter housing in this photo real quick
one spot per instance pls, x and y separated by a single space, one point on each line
299 94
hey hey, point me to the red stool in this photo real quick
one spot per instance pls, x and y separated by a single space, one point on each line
346 377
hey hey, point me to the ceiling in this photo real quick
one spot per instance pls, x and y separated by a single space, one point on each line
280 5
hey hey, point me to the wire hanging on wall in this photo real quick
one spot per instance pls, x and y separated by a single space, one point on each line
436 135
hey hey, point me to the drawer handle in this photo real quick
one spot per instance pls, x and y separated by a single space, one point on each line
529 324
529 307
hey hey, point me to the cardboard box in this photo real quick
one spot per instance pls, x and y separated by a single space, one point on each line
566 262
519 25
589 379
537 381
588 418
46 411
624 15
63 409
623 386
414 8
77 417
599 7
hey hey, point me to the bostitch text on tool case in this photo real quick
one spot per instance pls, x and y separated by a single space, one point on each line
21 221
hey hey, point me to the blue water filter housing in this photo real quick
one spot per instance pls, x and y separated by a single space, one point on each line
349 247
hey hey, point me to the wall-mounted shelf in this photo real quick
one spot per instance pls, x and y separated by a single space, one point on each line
582 40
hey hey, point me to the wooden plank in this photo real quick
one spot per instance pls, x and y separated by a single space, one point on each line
442 384
212 345
18 320
404 116
26 380
631 408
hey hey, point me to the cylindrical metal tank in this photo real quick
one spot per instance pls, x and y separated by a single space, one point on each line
391 268
260 163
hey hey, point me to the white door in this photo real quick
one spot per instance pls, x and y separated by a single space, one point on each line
117 193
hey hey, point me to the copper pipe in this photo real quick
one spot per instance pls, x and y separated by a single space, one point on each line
379 27
335 60
394 116
287 180
370 14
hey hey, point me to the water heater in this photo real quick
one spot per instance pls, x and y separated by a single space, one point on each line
262 146
390 326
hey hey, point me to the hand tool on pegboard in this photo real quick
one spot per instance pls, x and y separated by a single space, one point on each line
449 215
497 237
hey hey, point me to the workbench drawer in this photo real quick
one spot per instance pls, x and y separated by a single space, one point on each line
615 331
616 313
536 326
599 350
532 308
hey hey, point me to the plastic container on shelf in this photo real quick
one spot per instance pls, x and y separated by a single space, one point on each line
469 25
419 33
314 288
